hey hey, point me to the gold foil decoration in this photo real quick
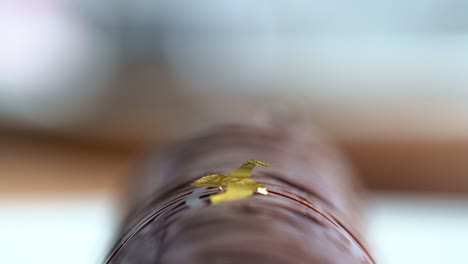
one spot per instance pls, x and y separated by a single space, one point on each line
237 184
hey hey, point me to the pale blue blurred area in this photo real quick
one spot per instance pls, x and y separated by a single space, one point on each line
324 53
56 61
334 49
418 228
71 229
333 57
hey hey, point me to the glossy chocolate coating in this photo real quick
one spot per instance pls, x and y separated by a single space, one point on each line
312 214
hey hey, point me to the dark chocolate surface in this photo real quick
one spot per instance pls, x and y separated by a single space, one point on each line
312 214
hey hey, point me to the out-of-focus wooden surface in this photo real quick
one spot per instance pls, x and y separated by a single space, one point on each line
440 166
31 163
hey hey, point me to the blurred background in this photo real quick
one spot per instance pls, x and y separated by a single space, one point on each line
86 86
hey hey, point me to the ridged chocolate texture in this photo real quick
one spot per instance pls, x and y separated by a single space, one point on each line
311 215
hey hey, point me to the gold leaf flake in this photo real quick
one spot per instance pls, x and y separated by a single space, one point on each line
237 183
